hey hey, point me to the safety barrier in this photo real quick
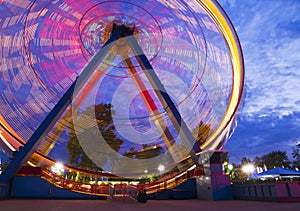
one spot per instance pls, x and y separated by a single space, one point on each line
4 190
259 191
61 182
277 191
132 192
111 191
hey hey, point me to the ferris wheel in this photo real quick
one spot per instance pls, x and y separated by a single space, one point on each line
131 84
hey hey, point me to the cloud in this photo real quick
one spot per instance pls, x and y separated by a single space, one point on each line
259 136
269 32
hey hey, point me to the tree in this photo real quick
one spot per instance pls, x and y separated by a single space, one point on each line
296 156
227 170
148 151
77 156
275 159
270 160
258 162
245 161
3 166
240 174
103 114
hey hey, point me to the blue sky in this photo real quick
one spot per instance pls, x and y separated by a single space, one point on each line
269 32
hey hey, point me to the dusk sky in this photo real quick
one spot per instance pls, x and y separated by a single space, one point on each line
269 32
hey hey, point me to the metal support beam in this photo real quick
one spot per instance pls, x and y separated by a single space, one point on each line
173 113
24 153
153 110
67 116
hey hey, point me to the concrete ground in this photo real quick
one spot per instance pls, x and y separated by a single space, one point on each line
151 205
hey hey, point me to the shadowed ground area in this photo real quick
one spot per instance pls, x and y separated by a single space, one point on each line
151 205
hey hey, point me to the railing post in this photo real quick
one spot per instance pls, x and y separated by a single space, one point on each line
111 192
132 192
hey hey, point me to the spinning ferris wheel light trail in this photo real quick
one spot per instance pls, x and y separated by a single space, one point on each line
175 84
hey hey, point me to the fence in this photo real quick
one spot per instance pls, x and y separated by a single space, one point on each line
277 191
4 190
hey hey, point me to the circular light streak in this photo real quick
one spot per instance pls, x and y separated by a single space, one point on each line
191 45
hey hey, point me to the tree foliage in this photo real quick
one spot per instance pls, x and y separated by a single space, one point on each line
269 160
3 166
103 114
276 159
245 161
147 152
239 173
296 156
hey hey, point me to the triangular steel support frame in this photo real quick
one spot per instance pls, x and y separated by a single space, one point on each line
25 152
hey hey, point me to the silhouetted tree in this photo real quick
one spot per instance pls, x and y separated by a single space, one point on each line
239 173
276 159
296 156
103 114
258 161
245 161
270 160
148 151
3 166
77 156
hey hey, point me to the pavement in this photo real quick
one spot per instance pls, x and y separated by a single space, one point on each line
150 205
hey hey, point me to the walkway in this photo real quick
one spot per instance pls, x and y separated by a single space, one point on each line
151 205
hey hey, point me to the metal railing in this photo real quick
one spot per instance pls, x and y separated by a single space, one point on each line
110 190
61 182
132 192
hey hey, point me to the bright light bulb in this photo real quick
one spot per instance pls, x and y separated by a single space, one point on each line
58 166
248 168
161 168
